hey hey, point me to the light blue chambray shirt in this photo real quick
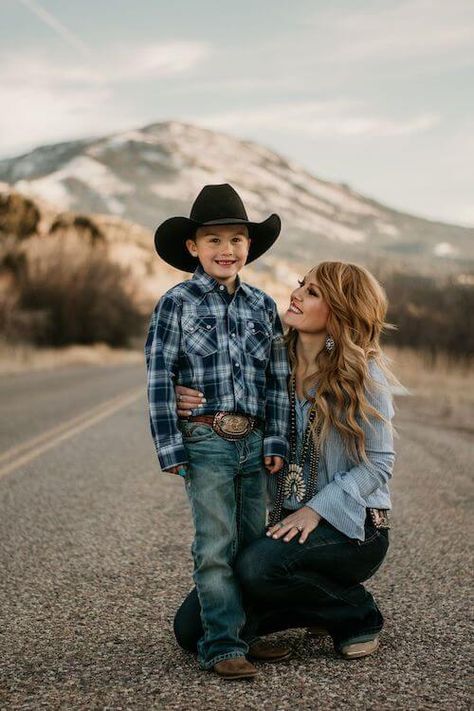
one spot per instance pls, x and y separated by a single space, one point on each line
344 489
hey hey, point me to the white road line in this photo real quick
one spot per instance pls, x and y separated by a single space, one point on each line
29 443
51 438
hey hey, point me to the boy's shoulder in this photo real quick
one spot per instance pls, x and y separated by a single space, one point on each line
258 295
180 292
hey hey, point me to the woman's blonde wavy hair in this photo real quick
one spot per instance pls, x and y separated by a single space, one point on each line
357 309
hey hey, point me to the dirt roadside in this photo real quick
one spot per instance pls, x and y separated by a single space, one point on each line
23 358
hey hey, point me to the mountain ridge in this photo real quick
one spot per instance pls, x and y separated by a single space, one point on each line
147 174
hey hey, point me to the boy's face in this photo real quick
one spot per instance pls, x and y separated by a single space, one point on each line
221 249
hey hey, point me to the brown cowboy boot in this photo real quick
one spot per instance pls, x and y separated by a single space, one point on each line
237 668
265 652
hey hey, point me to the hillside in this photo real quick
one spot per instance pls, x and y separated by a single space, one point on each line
148 174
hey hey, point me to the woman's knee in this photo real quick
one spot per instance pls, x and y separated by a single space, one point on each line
255 565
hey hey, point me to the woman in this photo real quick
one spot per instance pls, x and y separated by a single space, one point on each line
328 527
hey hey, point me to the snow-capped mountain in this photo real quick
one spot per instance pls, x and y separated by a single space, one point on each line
149 174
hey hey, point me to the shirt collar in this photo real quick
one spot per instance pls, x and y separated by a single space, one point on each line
304 402
208 283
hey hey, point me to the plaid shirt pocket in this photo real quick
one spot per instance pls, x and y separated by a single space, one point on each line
257 339
200 335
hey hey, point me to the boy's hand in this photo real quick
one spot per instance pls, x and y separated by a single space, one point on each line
187 399
273 464
180 470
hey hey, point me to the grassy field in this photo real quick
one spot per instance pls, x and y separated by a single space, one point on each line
443 391
22 358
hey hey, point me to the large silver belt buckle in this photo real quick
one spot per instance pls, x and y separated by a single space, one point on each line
231 426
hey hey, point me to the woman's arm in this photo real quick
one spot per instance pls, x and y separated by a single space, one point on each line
343 500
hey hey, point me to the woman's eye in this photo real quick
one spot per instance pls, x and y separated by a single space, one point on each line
312 293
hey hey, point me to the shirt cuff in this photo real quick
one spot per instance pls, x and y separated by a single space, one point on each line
172 455
275 447
339 509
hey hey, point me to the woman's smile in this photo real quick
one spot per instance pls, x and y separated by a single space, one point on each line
294 308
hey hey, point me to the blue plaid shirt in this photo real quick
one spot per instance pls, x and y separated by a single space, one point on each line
227 346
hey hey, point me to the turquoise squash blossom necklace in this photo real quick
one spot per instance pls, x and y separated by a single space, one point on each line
291 481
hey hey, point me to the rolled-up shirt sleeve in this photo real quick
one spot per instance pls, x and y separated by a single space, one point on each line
343 500
161 355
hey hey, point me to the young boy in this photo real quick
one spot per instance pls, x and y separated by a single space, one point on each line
223 337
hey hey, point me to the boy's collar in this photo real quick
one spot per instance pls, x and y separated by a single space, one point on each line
208 283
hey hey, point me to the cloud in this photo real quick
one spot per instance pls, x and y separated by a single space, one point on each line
398 31
41 115
156 60
331 118
44 100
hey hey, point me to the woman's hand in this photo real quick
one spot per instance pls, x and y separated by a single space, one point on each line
302 521
187 399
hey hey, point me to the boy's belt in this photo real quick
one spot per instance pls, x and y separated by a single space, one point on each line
229 425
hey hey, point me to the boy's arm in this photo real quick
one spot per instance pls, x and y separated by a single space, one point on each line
161 354
277 409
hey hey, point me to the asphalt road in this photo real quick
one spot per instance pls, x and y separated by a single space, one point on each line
95 558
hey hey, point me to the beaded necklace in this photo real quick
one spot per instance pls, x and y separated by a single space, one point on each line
290 477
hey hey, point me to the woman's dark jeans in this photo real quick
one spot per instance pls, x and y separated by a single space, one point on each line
288 585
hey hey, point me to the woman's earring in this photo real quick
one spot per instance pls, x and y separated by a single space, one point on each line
330 343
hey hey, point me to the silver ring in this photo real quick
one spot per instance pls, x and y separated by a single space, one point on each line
300 528
179 398
280 524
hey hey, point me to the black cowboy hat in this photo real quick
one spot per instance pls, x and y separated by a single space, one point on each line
215 205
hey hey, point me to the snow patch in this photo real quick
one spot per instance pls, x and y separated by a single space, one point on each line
444 249
95 175
89 171
385 228
47 188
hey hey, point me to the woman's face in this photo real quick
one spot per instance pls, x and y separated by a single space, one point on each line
307 312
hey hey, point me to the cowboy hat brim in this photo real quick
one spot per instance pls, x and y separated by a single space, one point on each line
171 236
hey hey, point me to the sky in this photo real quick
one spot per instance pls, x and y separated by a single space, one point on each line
377 94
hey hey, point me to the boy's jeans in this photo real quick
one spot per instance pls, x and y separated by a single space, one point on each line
225 485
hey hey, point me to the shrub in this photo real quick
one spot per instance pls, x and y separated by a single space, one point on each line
432 315
19 216
83 295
